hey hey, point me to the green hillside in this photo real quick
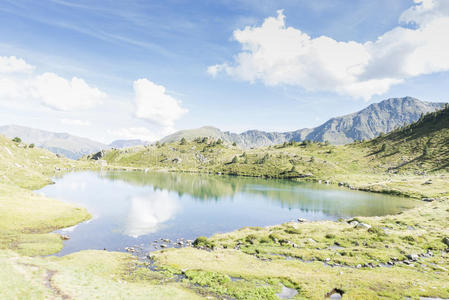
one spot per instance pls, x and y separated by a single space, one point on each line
421 146
399 162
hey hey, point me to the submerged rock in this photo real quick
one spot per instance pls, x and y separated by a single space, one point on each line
65 237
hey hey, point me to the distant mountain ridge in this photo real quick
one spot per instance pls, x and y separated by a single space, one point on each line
127 143
367 123
60 143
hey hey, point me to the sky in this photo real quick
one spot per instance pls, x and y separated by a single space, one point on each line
111 70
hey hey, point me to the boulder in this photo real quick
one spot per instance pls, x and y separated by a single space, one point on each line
363 225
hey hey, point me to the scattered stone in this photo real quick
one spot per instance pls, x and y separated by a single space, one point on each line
177 160
413 257
363 225
287 293
335 294
301 220
354 223
446 241
428 199
163 246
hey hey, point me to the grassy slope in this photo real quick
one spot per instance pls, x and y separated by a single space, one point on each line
26 218
26 223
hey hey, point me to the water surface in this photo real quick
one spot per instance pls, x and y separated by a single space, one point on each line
136 208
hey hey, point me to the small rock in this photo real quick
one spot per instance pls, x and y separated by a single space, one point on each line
163 246
445 241
428 199
413 257
65 237
363 225
301 220
354 223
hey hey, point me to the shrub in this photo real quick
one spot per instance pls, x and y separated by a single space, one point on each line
183 141
203 241
376 230
235 160
251 238
263 159
292 230
31 146
17 140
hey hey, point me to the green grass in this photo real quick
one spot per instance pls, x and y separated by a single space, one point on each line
299 254
84 275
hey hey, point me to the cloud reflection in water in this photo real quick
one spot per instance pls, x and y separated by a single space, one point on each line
147 213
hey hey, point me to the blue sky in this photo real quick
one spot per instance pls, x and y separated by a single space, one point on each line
170 45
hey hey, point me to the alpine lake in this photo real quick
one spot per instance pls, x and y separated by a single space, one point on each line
139 212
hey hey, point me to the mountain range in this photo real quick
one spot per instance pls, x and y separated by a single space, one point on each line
365 124
64 144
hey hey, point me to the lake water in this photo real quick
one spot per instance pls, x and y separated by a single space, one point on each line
136 208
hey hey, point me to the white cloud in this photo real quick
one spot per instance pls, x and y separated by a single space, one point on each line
61 94
154 105
75 122
13 64
141 133
279 55
49 89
